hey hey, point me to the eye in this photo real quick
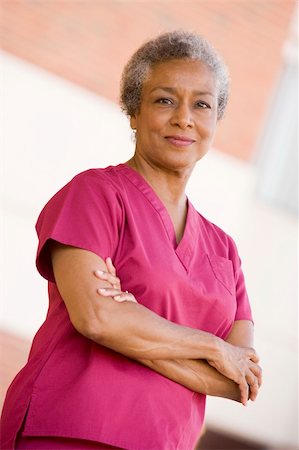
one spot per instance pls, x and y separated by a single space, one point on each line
203 105
164 101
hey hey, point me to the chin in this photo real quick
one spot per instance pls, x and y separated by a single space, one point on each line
179 164
185 160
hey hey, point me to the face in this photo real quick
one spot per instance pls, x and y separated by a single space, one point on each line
176 123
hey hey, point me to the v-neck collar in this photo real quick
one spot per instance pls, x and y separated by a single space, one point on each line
184 249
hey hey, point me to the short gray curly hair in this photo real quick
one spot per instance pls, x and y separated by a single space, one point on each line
167 46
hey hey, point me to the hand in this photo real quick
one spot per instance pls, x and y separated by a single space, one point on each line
240 365
115 289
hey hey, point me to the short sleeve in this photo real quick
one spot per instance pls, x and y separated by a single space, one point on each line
86 213
243 305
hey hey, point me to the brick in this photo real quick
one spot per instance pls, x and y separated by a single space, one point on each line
89 42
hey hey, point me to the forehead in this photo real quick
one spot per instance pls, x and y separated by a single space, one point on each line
180 73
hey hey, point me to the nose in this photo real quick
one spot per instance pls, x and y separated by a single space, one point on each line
182 117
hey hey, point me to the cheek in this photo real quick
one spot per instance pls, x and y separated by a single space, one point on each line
156 122
149 123
207 129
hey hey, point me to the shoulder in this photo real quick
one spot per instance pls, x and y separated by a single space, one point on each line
90 190
90 182
97 177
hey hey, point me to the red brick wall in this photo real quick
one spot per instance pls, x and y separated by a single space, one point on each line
88 42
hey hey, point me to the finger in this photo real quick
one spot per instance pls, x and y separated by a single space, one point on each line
125 297
110 266
244 391
113 280
254 390
253 386
253 356
108 292
257 371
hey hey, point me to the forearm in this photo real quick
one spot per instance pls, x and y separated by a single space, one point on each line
137 332
196 375
241 334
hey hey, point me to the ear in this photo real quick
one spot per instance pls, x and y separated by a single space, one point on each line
133 122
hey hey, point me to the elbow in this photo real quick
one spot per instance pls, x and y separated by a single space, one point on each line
91 326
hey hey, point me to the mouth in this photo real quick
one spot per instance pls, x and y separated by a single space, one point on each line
180 141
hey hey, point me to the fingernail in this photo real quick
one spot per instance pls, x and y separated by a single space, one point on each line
117 297
101 290
99 272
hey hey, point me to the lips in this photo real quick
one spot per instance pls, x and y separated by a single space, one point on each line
180 141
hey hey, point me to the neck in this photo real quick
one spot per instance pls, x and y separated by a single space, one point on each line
168 184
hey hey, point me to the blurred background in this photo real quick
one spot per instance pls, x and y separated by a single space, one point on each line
61 62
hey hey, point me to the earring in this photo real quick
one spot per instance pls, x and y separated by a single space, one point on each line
133 135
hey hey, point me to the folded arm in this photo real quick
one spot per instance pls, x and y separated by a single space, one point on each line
199 376
135 331
196 375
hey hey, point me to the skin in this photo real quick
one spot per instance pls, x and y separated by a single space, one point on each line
171 105
179 100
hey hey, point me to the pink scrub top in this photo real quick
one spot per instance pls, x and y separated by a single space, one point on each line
74 388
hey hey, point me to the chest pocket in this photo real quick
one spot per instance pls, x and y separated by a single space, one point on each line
223 272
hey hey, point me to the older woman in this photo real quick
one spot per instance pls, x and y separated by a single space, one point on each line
126 361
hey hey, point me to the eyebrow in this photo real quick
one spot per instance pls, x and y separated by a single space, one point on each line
173 90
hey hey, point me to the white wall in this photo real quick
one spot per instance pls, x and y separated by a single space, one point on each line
51 130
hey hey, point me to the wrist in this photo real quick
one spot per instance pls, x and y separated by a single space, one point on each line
216 384
214 348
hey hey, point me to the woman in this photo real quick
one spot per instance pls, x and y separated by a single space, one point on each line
126 362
